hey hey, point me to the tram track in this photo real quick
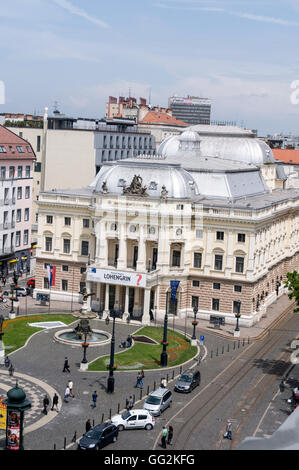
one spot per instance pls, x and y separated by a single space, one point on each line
207 399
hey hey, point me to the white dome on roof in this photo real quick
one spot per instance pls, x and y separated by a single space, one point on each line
231 144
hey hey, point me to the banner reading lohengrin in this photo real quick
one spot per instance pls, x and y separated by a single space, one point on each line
124 278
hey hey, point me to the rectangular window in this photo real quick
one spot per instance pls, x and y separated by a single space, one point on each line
218 262
199 233
84 248
64 285
236 306
26 236
176 258
38 139
46 265
27 171
18 238
239 264
20 149
194 301
86 223
237 288
65 267
219 235
3 172
49 219
66 245
19 215
46 283
19 192
27 192
215 304
48 244
82 270
6 192
195 283
37 167
216 285
11 172
241 237
20 171
67 221
82 286
197 260
2 149
26 214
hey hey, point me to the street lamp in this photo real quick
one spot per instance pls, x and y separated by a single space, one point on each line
194 323
110 382
84 346
164 357
237 315
2 351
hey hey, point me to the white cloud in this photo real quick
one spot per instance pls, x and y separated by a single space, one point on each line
79 12
265 19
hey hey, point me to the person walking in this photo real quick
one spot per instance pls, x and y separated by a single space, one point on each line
45 404
139 382
170 435
94 399
67 394
55 402
70 384
228 434
163 382
163 439
66 366
88 425
4 281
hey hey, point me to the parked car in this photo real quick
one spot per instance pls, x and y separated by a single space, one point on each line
134 419
31 282
187 381
98 436
21 291
158 401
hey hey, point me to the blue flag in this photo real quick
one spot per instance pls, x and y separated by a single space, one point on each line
174 287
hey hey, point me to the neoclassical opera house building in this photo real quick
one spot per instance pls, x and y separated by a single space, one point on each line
209 210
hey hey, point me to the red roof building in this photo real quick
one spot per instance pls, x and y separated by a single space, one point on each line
289 156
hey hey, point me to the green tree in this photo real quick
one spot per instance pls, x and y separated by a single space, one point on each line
292 284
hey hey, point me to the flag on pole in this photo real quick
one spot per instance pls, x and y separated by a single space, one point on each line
51 275
174 287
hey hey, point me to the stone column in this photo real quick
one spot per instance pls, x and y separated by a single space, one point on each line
106 309
117 296
122 258
141 262
146 305
126 312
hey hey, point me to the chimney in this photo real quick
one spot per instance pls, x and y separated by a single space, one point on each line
163 110
169 111
142 112
142 101
156 108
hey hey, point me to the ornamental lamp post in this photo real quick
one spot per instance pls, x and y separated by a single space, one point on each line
237 315
84 363
164 358
110 382
194 323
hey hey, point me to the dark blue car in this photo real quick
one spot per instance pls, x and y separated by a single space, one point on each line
98 436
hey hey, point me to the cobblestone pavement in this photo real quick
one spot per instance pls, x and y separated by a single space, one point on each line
38 367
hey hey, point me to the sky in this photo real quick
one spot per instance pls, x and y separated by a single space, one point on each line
242 54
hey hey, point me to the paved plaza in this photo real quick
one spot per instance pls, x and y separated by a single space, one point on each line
38 370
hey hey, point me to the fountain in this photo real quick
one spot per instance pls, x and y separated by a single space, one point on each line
82 330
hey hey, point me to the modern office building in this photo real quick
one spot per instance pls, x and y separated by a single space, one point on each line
192 109
207 210
16 167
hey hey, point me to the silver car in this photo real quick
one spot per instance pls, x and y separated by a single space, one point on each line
158 401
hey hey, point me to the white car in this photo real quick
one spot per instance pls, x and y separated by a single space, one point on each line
21 291
134 419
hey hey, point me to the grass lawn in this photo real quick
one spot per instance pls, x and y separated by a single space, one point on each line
147 356
17 331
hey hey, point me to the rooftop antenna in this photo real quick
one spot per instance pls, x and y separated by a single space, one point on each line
149 97
56 110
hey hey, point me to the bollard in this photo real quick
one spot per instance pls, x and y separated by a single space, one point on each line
248 340
93 422
54 447
110 413
154 386
74 437
181 369
118 408
147 390
173 374
64 444
140 394
134 398
102 417
167 378
222 349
